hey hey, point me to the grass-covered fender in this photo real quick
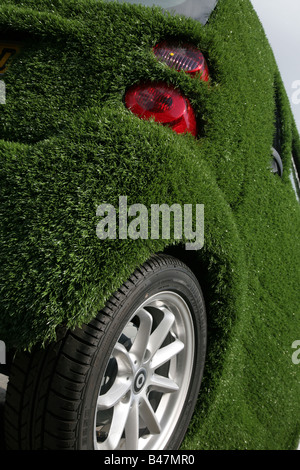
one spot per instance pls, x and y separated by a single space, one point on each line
55 269
68 145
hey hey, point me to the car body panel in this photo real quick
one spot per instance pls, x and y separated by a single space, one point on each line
68 144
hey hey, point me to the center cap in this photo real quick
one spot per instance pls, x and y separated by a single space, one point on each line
140 380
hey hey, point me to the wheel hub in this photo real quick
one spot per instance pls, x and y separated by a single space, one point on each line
139 381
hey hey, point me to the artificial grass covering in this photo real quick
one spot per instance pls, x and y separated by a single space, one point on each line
68 145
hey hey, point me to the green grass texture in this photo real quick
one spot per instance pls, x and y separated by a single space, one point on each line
68 144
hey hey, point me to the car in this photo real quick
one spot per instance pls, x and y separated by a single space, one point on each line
149 228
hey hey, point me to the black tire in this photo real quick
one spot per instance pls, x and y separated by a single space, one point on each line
52 393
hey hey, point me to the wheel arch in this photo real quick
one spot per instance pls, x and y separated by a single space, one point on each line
196 262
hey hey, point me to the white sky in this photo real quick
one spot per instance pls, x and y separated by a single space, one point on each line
281 21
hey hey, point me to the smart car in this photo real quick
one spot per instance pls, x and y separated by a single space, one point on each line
149 228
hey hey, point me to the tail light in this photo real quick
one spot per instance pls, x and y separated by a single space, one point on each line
163 103
187 58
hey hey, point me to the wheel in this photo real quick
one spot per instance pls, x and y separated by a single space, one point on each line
276 163
127 380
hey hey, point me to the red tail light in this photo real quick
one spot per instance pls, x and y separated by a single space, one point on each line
163 103
186 58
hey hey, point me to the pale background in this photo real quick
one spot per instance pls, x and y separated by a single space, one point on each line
280 19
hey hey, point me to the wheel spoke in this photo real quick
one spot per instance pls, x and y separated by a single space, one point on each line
114 395
159 334
132 427
123 359
141 340
166 353
120 416
163 384
122 382
149 417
